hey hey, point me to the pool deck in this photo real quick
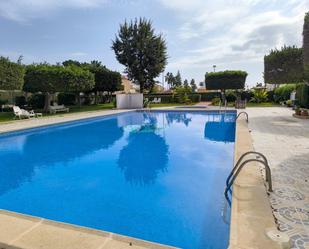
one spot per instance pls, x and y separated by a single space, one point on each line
251 214
285 142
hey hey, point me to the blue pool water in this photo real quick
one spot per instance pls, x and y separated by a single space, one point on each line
157 176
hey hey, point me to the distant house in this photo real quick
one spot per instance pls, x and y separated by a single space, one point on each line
158 88
201 88
128 85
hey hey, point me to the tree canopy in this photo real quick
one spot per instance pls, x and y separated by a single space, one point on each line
48 79
11 75
224 80
141 51
173 81
105 79
54 78
284 65
193 85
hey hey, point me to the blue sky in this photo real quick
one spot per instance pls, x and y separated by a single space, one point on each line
233 34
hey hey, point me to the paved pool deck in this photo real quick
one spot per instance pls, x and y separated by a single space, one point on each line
285 142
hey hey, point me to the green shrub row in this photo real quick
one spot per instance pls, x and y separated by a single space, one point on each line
174 98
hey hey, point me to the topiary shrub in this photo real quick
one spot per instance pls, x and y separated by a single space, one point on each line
225 80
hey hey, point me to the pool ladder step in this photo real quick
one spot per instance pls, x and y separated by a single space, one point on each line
239 166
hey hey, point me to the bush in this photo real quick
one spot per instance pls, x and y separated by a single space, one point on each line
215 101
66 99
36 101
20 100
170 98
270 96
208 96
302 95
259 96
231 96
283 92
246 95
195 98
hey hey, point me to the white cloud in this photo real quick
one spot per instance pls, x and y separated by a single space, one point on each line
234 32
24 10
78 54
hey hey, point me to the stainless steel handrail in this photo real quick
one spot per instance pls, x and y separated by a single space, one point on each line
247 116
239 161
267 170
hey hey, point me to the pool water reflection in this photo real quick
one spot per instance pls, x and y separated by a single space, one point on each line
157 176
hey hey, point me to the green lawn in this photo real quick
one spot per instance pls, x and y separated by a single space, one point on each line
265 104
9 116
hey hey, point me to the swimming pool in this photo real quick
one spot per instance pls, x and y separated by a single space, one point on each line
157 176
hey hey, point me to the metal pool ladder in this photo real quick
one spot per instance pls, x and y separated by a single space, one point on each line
240 164
247 116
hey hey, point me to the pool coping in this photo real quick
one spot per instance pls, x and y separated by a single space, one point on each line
251 213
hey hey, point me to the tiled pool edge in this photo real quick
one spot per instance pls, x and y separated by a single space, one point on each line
251 212
25 124
24 231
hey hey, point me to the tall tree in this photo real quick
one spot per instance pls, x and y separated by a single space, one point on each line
178 81
170 79
193 85
306 46
11 75
141 51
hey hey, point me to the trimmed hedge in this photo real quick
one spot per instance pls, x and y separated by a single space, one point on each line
302 95
284 66
170 98
225 80
11 75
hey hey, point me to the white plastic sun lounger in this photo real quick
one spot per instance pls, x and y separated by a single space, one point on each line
21 113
